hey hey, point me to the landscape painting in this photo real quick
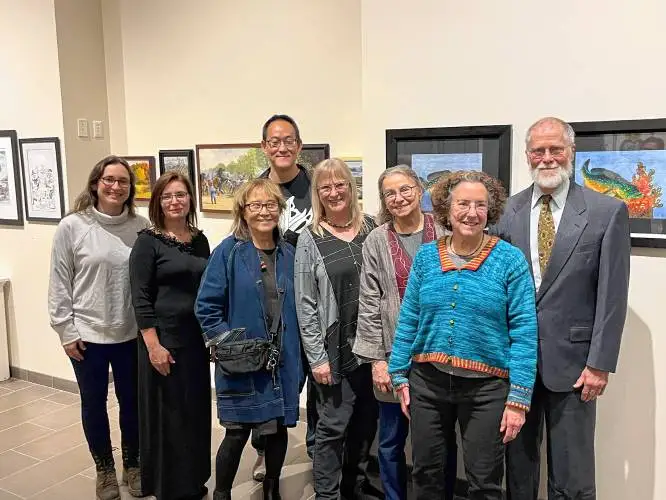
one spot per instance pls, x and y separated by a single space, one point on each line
144 172
356 167
42 179
636 177
431 167
311 154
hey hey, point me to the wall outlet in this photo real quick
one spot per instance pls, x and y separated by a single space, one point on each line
98 129
82 127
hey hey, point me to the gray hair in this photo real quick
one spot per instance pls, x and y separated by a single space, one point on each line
384 215
569 133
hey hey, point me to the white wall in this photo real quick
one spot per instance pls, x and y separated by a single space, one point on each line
435 63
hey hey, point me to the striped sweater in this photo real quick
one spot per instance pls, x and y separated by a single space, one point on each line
480 317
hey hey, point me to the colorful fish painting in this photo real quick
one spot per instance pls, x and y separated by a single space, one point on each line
607 182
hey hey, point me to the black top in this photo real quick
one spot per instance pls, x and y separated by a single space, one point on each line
165 275
342 261
268 280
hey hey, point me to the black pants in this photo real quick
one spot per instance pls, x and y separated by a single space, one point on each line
346 428
92 375
570 424
437 401
230 451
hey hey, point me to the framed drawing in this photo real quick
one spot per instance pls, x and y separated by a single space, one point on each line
434 152
144 172
311 154
181 160
11 210
627 160
355 164
42 179
221 168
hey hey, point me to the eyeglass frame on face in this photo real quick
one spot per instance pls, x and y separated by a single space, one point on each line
179 196
110 181
540 153
340 187
275 142
252 206
406 191
460 206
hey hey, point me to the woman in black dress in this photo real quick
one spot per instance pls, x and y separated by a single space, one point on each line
166 265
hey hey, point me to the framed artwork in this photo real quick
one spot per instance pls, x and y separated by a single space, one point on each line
434 152
311 154
181 160
627 160
221 168
11 210
42 179
144 172
355 164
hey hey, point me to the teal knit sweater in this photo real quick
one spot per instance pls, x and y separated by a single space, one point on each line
481 317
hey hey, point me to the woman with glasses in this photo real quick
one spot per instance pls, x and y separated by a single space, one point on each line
328 267
91 309
166 265
387 258
466 341
246 295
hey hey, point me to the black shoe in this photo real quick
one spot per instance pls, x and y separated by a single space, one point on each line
272 489
221 495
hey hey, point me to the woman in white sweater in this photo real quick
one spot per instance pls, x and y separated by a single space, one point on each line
90 307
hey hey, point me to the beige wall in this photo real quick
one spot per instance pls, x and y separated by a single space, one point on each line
478 62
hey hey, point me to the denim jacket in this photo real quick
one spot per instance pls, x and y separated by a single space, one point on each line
235 299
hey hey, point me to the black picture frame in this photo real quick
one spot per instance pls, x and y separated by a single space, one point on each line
492 141
617 144
311 154
58 211
6 187
187 155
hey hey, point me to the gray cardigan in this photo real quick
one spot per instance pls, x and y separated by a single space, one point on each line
379 301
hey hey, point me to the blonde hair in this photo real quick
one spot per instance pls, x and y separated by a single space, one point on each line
337 168
239 227
384 214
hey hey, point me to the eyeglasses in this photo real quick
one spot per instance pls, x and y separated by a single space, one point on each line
179 196
464 206
274 142
339 187
555 152
110 181
407 192
256 206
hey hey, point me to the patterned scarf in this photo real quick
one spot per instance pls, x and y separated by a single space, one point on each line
401 259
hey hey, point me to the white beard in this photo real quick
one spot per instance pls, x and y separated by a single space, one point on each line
550 181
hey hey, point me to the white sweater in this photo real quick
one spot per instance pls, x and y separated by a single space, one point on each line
89 287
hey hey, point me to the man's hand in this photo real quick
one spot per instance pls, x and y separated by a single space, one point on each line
403 395
512 421
380 376
593 382
322 374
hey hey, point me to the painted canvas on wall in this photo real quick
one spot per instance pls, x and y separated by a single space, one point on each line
42 179
11 211
636 177
311 154
356 167
430 167
145 174
222 168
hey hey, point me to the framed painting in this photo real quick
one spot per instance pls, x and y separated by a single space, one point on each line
355 164
181 160
11 210
43 190
145 174
222 168
627 160
311 154
435 152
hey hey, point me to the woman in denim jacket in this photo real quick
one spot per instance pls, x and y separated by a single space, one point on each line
248 276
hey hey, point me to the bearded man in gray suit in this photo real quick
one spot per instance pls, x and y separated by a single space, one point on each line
578 244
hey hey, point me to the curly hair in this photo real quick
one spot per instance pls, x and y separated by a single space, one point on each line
441 195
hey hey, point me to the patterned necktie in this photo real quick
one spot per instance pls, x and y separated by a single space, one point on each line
546 233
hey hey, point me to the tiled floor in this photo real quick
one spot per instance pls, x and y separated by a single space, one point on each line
43 454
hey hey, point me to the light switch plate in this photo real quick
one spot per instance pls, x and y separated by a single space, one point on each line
82 127
98 129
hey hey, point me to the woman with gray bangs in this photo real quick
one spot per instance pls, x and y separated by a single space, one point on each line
387 258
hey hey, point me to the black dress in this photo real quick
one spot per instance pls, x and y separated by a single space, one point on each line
174 410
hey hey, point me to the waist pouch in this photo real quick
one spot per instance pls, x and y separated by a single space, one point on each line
242 356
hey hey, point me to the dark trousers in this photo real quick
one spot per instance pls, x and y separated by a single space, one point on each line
92 375
345 430
437 401
393 431
230 451
570 425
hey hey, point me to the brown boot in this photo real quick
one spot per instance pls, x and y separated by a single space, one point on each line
106 487
131 471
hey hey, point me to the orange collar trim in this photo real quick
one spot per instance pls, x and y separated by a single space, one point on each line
474 264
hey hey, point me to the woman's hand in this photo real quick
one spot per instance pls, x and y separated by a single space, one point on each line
322 374
161 359
75 349
512 421
380 376
403 395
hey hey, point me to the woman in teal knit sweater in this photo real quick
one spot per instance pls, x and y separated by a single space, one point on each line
466 343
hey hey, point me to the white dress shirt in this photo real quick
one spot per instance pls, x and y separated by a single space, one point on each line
557 201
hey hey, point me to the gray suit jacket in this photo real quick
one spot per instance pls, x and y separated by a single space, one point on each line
582 301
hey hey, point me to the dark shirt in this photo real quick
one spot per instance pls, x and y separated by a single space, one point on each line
165 275
268 278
